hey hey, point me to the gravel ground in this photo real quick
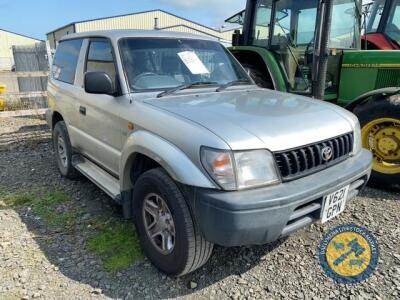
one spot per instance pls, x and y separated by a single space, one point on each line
37 261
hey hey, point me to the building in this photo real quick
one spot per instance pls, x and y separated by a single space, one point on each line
153 19
9 39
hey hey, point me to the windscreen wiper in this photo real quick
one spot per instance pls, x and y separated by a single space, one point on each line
234 82
184 87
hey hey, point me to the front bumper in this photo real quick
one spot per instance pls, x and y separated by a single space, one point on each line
262 215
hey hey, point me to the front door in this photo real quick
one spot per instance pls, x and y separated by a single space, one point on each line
98 113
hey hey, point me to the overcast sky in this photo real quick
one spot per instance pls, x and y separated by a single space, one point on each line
37 17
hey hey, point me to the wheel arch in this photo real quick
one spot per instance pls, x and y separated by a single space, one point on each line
263 60
148 150
385 94
55 118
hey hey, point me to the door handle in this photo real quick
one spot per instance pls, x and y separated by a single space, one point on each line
82 110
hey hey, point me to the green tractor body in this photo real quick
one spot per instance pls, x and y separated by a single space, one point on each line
313 48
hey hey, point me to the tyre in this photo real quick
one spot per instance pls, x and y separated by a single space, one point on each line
380 132
258 77
168 233
63 151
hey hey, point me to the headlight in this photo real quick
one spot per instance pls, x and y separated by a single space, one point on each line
357 139
240 170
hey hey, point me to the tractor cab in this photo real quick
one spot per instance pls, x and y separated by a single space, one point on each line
293 31
382 25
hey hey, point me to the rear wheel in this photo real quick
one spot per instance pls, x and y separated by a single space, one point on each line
380 132
63 151
169 235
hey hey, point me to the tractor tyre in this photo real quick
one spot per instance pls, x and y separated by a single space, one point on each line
380 133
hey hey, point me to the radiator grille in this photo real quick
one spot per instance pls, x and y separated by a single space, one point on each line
387 78
305 160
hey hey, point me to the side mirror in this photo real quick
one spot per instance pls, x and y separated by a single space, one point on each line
236 38
99 83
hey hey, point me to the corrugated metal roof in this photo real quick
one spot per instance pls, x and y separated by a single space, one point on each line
131 14
23 35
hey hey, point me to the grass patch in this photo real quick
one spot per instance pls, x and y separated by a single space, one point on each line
15 199
114 240
117 244
49 206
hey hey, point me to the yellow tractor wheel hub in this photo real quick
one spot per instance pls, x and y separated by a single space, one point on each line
382 137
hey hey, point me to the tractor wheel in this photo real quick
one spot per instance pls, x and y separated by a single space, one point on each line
258 77
380 133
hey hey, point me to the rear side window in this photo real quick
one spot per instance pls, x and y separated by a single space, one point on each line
66 60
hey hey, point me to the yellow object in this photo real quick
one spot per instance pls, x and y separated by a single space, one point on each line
355 263
382 137
3 89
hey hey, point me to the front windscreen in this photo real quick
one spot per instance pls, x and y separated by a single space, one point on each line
164 63
295 23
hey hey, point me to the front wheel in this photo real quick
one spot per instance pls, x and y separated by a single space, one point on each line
168 233
380 132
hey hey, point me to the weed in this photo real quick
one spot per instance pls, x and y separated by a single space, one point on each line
114 240
117 244
50 209
15 199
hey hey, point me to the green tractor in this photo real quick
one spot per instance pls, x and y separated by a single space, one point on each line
313 48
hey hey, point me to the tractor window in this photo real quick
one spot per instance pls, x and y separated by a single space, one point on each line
375 15
283 35
306 26
282 30
262 19
345 29
393 26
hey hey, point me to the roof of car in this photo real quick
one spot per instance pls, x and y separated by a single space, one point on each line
116 34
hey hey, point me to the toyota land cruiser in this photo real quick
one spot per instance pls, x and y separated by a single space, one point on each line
173 128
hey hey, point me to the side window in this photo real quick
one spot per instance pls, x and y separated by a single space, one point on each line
375 16
100 58
393 26
66 60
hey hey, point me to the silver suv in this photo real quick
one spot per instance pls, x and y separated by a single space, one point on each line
172 128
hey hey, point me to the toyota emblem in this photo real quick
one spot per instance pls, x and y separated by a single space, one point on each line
327 153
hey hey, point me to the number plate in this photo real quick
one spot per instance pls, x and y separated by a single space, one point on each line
334 204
